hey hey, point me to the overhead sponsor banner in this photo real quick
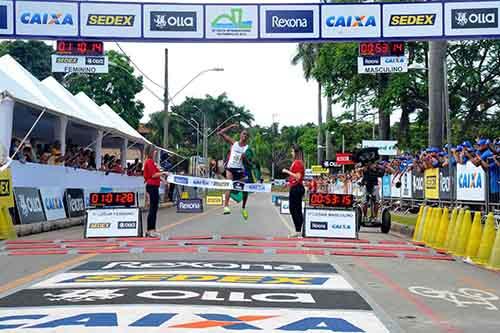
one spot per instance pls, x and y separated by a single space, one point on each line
417 185
74 202
445 189
330 223
113 222
205 265
299 21
384 147
248 298
418 19
79 64
431 183
110 20
6 17
206 279
173 21
218 184
53 202
374 65
386 186
38 18
285 206
29 205
214 200
406 185
231 22
190 206
351 21
471 182
6 190
395 190
184 318
471 18
318 170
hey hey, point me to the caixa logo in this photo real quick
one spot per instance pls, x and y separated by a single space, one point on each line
53 203
181 180
289 21
470 180
351 21
46 18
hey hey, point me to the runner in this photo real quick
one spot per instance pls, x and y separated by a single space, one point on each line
235 169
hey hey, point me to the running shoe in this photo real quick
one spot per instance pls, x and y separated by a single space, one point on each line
227 210
244 213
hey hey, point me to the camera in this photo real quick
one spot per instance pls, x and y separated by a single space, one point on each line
366 156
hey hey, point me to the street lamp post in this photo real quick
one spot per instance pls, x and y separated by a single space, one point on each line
197 135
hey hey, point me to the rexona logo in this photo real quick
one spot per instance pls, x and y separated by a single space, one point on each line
111 20
351 21
412 20
290 21
181 180
3 17
46 18
173 21
474 18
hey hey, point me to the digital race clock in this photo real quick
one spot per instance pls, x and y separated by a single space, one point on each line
331 200
113 199
80 47
382 49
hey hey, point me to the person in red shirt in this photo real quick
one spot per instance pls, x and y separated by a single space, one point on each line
295 181
152 178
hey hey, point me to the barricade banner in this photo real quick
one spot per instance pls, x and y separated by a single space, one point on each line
29 206
75 202
6 192
418 185
406 185
53 202
431 179
386 186
218 184
445 190
471 182
395 191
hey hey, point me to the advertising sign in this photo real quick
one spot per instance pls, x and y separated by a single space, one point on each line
113 222
395 191
431 183
419 19
6 17
328 164
231 21
445 190
374 65
53 202
318 170
37 18
330 223
406 185
79 64
173 21
29 205
308 174
300 21
6 191
214 200
471 182
190 206
471 18
386 186
74 202
110 20
344 158
418 185
351 21
387 148
284 206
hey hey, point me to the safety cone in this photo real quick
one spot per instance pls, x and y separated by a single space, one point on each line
476 233
486 244
428 225
494 262
456 231
419 219
435 227
451 229
443 229
463 236
7 230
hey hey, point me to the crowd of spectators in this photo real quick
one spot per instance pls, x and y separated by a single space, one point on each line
34 151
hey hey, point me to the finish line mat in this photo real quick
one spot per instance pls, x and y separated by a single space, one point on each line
190 296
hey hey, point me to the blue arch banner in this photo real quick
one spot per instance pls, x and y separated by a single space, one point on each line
204 23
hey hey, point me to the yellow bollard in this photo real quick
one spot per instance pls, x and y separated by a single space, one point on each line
443 229
486 244
7 230
423 221
463 236
419 221
494 262
475 236
456 231
435 227
428 225
451 229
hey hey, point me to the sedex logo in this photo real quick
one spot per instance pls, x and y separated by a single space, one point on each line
412 20
474 18
111 20
290 21
173 21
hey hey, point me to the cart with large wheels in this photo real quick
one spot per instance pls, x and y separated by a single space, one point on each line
381 220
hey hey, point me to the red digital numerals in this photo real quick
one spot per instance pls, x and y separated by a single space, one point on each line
331 200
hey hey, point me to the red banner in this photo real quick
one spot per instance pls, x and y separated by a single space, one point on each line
344 159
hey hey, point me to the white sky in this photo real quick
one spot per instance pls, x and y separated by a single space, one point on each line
258 76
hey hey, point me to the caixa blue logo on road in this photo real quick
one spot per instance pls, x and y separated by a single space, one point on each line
181 180
290 21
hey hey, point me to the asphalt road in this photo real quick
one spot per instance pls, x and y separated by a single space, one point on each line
375 286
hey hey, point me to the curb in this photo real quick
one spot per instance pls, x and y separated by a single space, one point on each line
403 230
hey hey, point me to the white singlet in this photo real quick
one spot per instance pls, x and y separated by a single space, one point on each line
235 156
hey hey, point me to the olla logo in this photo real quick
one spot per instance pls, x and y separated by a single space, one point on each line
470 180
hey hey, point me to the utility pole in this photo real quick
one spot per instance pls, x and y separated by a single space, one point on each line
328 135
320 153
205 137
437 58
165 104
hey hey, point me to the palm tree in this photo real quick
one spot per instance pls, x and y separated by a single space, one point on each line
307 53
